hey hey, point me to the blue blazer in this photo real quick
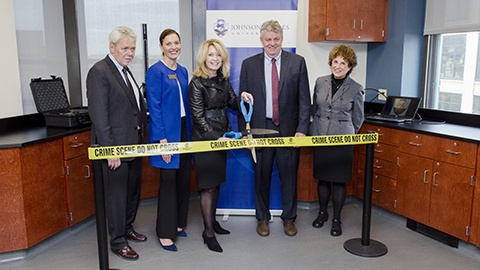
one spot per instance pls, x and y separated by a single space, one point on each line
163 100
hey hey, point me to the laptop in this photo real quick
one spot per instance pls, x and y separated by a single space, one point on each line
398 109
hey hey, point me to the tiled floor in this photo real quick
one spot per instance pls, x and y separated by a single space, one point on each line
311 248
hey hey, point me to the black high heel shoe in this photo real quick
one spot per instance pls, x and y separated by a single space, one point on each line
218 229
336 228
321 218
212 243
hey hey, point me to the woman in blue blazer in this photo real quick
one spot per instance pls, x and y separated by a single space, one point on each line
170 121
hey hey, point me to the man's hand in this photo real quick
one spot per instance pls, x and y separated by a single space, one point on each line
114 163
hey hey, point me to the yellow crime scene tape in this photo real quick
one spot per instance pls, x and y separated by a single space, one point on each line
141 150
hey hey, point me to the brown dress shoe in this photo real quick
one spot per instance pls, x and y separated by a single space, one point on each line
136 237
290 228
262 228
126 253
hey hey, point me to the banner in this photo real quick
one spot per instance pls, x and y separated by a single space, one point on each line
237 24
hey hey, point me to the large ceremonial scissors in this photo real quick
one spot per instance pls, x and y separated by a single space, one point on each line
247 115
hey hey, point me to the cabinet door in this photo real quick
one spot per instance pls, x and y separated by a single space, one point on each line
80 192
150 180
372 20
44 188
383 192
413 190
341 19
475 224
358 175
451 199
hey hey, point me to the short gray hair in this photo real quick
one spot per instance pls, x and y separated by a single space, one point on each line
121 32
271 26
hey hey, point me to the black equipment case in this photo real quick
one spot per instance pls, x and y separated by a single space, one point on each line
52 102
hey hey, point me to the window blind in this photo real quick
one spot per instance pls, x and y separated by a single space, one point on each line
452 16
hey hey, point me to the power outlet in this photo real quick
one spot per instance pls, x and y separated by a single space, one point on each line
382 95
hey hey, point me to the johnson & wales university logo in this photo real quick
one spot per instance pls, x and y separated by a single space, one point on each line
220 27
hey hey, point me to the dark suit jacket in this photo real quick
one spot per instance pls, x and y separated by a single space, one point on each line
112 106
294 94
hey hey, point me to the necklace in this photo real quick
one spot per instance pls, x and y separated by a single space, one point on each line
337 85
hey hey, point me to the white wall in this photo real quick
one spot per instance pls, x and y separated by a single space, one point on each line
316 53
10 93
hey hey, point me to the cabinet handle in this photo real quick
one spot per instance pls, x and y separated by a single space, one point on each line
378 151
361 24
415 144
77 145
354 23
376 190
88 171
425 177
377 167
453 152
434 182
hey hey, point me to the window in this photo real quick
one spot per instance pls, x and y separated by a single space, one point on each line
98 18
41 44
453 76
453 55
40 36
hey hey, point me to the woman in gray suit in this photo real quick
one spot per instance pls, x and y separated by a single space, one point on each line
338 109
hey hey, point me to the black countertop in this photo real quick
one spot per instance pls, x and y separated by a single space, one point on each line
441 129
26 137
30 129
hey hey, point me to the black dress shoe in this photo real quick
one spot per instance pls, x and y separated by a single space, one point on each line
126 253
136 237
212 243
336 228
218 229
321 218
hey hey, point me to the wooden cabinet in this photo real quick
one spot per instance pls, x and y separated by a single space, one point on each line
436 177
385 167
32 190
78 177
306 184
475 224
348 20
150 180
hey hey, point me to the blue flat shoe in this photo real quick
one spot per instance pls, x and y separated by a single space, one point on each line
182 233
171 247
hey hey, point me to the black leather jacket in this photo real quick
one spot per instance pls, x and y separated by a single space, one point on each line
208 104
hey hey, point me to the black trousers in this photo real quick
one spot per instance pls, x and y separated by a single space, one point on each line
122 195
174 195
287 159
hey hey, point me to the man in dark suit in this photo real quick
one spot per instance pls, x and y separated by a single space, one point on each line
278 80
117 109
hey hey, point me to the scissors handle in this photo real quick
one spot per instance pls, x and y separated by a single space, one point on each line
233 135
246 114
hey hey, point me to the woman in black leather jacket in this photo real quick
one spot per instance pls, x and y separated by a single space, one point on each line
209 94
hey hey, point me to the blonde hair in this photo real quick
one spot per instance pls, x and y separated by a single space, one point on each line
202 70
